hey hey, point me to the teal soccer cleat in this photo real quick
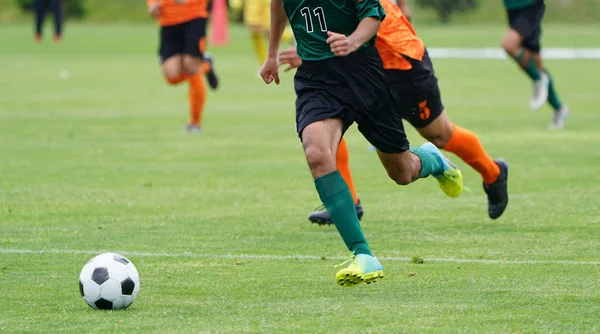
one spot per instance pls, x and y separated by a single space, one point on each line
451 180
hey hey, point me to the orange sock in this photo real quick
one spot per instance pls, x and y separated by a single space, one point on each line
467 146
343 166
197 96
175 81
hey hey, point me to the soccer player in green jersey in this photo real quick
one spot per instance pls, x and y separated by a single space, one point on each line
522 43
341 81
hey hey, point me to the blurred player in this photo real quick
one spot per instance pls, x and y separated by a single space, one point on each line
41 8
411 76
182 46
522 43
257 17
341 81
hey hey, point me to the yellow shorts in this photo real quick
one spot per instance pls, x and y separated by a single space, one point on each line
257 13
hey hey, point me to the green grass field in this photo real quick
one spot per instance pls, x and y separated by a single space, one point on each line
216 222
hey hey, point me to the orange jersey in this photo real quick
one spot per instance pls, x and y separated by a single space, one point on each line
396 37
172 13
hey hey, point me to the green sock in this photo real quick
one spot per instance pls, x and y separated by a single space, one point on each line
530 67
338 201
431 164
552 96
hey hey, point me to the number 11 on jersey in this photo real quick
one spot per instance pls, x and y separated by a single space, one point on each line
319 13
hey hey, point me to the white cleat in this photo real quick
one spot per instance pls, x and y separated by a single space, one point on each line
540 92
558 120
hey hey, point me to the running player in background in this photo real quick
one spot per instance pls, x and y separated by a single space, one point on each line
257 17
411 76
522 43
41 8
341 81
182 46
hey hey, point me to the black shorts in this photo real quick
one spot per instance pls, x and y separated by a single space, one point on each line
417 92
353 89
528 23
184 38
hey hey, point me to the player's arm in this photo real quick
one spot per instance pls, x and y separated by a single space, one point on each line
404 8
154 8
370 14
366 30
278 22
290 58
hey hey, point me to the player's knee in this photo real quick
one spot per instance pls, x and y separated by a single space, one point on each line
320 161
173 80
511 44
439 140
191 66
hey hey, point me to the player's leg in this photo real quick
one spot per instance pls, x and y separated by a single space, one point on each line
41 8
561 111
255 16
417 163
525 28
418 89
320 108
320 141
193 59
321 216
170 52
172 69
57 10
380 122
467 146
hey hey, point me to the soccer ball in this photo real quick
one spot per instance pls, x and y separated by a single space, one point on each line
109 282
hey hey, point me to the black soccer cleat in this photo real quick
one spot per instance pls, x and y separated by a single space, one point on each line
211 76
497 192
322 217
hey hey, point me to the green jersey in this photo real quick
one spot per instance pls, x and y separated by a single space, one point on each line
312 19
518 4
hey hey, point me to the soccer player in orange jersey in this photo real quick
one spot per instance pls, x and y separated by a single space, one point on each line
411 76
182 46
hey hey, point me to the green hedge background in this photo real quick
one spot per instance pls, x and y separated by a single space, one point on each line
487 12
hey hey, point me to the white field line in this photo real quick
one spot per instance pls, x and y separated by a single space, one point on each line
287 257
497 53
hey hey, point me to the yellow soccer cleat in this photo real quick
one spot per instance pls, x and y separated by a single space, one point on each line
363 268
451 180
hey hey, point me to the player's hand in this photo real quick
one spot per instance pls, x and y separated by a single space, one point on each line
154 9
290 58
340 44
270 70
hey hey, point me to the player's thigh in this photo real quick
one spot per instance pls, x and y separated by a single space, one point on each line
195 37
533 42
372 104
172 67
512 41
438 131
417 91
171 45
195 45
527 21
321 116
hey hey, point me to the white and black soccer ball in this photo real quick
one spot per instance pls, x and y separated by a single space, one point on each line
109 281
